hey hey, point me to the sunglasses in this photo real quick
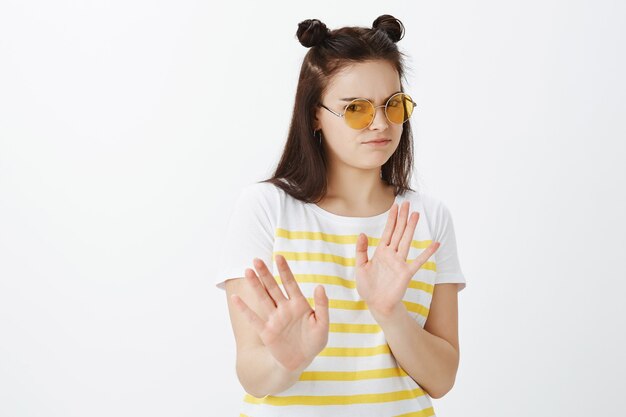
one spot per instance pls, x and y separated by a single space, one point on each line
360 112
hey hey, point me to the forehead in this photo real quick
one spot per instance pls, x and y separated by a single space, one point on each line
374 80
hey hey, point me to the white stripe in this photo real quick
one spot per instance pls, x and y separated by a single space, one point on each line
354 363
364 386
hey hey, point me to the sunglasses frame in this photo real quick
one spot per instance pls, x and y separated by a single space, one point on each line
375 108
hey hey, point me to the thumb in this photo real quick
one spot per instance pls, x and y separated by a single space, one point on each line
361 249
321 304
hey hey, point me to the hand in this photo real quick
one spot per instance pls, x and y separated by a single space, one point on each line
294 333
383 280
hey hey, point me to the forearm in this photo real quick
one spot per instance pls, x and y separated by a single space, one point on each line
430 360
260 374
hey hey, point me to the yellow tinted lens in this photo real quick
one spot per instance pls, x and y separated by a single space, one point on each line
359 114
399 108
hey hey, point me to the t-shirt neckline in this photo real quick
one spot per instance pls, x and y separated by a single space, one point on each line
379 218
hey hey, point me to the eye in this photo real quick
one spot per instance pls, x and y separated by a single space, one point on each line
354 107
395 102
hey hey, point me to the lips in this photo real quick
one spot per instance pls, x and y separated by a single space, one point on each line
383 140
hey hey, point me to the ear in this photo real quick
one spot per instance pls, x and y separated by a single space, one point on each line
317 115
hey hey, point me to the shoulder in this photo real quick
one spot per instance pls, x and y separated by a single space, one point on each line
430 203
260 201
264 193
432 209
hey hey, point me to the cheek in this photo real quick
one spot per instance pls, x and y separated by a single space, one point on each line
397 130
344 145
342 137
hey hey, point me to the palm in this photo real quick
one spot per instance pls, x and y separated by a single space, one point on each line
382 281
384 277
293 332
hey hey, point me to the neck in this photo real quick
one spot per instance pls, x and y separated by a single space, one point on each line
355 187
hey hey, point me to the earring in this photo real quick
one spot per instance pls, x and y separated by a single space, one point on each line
319 139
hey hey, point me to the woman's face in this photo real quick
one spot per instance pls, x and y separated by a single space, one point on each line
375 81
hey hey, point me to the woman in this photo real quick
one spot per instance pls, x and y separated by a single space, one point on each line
341 328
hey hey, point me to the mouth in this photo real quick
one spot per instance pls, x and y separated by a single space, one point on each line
377 142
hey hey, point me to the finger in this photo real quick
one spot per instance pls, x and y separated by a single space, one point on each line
286 276
391 222
423 257
267 304
400 225
361 249
269 281
407 237
250 315
321 304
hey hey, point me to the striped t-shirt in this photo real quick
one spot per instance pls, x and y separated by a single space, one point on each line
356 373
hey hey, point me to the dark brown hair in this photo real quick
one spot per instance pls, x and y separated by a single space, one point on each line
301 171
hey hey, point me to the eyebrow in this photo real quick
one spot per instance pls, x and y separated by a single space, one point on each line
367 98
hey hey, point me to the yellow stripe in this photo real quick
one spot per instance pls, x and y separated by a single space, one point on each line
421 285
329 257
316 256
355 351
341 239
352 376
336 399
342 304
326 237
354 328
416 308
362 305
426 412
320 279
335 280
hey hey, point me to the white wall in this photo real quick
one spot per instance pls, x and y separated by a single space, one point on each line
120 153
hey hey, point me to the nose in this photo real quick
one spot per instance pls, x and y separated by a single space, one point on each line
380 121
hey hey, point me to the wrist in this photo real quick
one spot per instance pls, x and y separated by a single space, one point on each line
291 369
384 314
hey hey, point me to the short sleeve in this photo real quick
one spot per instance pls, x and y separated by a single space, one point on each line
446 256
249 233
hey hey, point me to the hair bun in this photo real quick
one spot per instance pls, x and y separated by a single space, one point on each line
312 32
390 25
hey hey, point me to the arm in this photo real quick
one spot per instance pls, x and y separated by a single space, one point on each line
283 330
260 374
257 370
430 355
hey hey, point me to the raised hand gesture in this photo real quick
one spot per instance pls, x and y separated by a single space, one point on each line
294 333
382 281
